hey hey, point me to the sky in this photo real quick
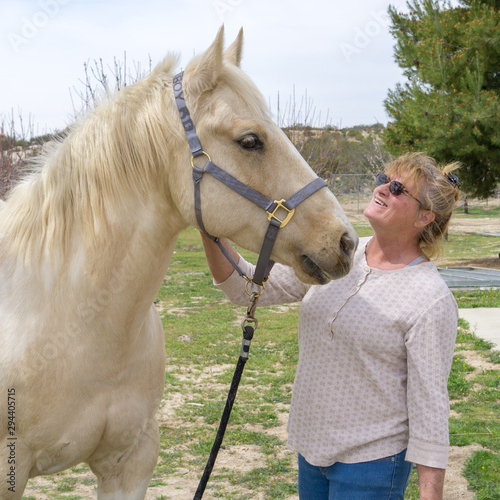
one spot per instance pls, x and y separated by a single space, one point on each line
333 60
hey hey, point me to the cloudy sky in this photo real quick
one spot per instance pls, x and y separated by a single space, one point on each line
338 54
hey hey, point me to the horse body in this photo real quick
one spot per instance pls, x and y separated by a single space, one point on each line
86 242
86 358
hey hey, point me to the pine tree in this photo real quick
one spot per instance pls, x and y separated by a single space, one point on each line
450 106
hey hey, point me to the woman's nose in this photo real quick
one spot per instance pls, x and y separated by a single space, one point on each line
383 189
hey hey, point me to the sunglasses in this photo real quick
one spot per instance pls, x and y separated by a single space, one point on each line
395 187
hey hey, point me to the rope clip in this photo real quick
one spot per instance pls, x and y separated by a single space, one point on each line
249 319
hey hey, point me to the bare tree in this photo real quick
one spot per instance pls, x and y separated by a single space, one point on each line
98 79
14 142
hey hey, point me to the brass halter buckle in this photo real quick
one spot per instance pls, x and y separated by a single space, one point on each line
272 215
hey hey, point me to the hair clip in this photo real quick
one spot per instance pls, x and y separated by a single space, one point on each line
453 180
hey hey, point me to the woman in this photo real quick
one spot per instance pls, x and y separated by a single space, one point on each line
370 394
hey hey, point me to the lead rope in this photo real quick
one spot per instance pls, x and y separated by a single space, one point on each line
248 331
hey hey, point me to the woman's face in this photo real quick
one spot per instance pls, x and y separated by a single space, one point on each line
393 212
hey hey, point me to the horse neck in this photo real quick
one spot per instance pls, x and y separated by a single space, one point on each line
88 222
129 233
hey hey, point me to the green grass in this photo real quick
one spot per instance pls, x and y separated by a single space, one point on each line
482 471
272 362
477 212
466 247
477 298
476 404
363 230
474 395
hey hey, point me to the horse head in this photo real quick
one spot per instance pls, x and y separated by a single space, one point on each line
90 234
237 133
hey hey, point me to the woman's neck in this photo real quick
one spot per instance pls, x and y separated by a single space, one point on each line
393 253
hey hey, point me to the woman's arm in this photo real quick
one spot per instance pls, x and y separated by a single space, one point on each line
283 287
430 482
430 345
219 266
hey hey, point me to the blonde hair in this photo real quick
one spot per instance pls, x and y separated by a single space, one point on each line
435 191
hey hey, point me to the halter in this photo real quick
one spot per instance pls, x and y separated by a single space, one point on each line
264 263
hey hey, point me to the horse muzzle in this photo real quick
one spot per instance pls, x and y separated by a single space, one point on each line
326 265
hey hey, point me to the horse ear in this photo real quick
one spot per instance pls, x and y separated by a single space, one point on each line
208 69
234 52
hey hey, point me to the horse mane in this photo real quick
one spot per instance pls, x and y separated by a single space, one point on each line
80 182
84 181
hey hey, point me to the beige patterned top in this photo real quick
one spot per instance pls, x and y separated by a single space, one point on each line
376 349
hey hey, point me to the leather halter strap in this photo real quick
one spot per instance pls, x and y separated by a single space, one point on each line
264 262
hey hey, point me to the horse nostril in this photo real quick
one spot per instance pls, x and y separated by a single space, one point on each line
347 244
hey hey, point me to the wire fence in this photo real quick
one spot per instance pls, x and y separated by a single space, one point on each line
353 191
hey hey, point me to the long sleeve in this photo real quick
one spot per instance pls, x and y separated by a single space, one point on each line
282 287
430 346
375 351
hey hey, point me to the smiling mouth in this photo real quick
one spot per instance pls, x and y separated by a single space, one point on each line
379 202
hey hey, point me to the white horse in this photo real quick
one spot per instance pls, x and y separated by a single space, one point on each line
85 243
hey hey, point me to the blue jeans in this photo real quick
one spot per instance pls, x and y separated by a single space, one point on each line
383 479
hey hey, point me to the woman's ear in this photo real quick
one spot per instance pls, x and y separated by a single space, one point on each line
425 217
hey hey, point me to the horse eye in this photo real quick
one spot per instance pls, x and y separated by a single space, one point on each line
251 142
